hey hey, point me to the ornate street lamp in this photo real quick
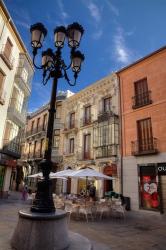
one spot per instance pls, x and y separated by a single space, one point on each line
53 66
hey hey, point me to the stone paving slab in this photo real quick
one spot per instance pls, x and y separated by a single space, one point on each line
139 231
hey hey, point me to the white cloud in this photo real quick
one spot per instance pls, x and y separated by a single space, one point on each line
97 34
112 7
123 54
64 14
94 11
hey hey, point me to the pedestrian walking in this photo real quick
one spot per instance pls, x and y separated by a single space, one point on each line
25 193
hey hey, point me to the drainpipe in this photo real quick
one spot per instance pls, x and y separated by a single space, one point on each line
120 139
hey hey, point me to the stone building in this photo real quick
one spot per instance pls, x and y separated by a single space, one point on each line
90 136
16 73
33 146
143 119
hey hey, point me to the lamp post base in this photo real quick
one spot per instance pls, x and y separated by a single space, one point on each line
41 231
43 202
36 231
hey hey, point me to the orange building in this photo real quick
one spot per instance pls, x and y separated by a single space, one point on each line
143 131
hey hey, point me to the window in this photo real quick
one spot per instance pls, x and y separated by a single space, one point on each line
24 75
87 139
42 147
142 94
8 49
56 138
38 123
145 136
2 77
30 148
87 115
107 104
32 126
35 146
17 99
72 120
44 122
71 145
148 188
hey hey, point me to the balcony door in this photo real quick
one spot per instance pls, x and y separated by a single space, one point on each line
87 115
145 136
72 120
8 48
87 140
141 92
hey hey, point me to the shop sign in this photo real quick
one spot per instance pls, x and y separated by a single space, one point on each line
161 169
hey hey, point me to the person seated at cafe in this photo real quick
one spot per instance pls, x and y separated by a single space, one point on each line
92 191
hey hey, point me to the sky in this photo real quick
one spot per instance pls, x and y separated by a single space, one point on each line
117 33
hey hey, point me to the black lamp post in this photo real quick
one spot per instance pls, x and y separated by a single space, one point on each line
53 66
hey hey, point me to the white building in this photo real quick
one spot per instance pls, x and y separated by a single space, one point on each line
16 71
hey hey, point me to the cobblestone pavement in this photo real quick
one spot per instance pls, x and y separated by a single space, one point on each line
139 230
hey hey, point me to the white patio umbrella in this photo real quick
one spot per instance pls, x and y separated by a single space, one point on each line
40 176
64 173
90 172
87 172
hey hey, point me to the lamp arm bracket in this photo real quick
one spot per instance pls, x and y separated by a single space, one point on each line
68 80
45 79
37 67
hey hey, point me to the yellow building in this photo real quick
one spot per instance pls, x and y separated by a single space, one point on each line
91 134
16 71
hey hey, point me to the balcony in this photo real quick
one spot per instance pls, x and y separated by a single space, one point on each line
15 113
11 148
106 115
145 147
85 121
106 151
84 156
32 156
2 97
9 60
37 130
24 83
70 127
141 100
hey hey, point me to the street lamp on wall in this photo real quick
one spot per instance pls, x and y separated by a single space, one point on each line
53 66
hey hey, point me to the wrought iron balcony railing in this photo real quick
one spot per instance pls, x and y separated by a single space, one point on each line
148 146
84 156
106 115
68 126
9 60
86 121
107 151
21 79
12 148
141 100
36 130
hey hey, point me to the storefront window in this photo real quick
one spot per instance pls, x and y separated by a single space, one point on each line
149 197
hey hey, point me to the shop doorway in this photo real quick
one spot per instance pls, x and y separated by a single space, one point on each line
108 185
163 186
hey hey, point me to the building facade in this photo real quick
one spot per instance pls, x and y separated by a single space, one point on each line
90 136
33 146
143 126
16 73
